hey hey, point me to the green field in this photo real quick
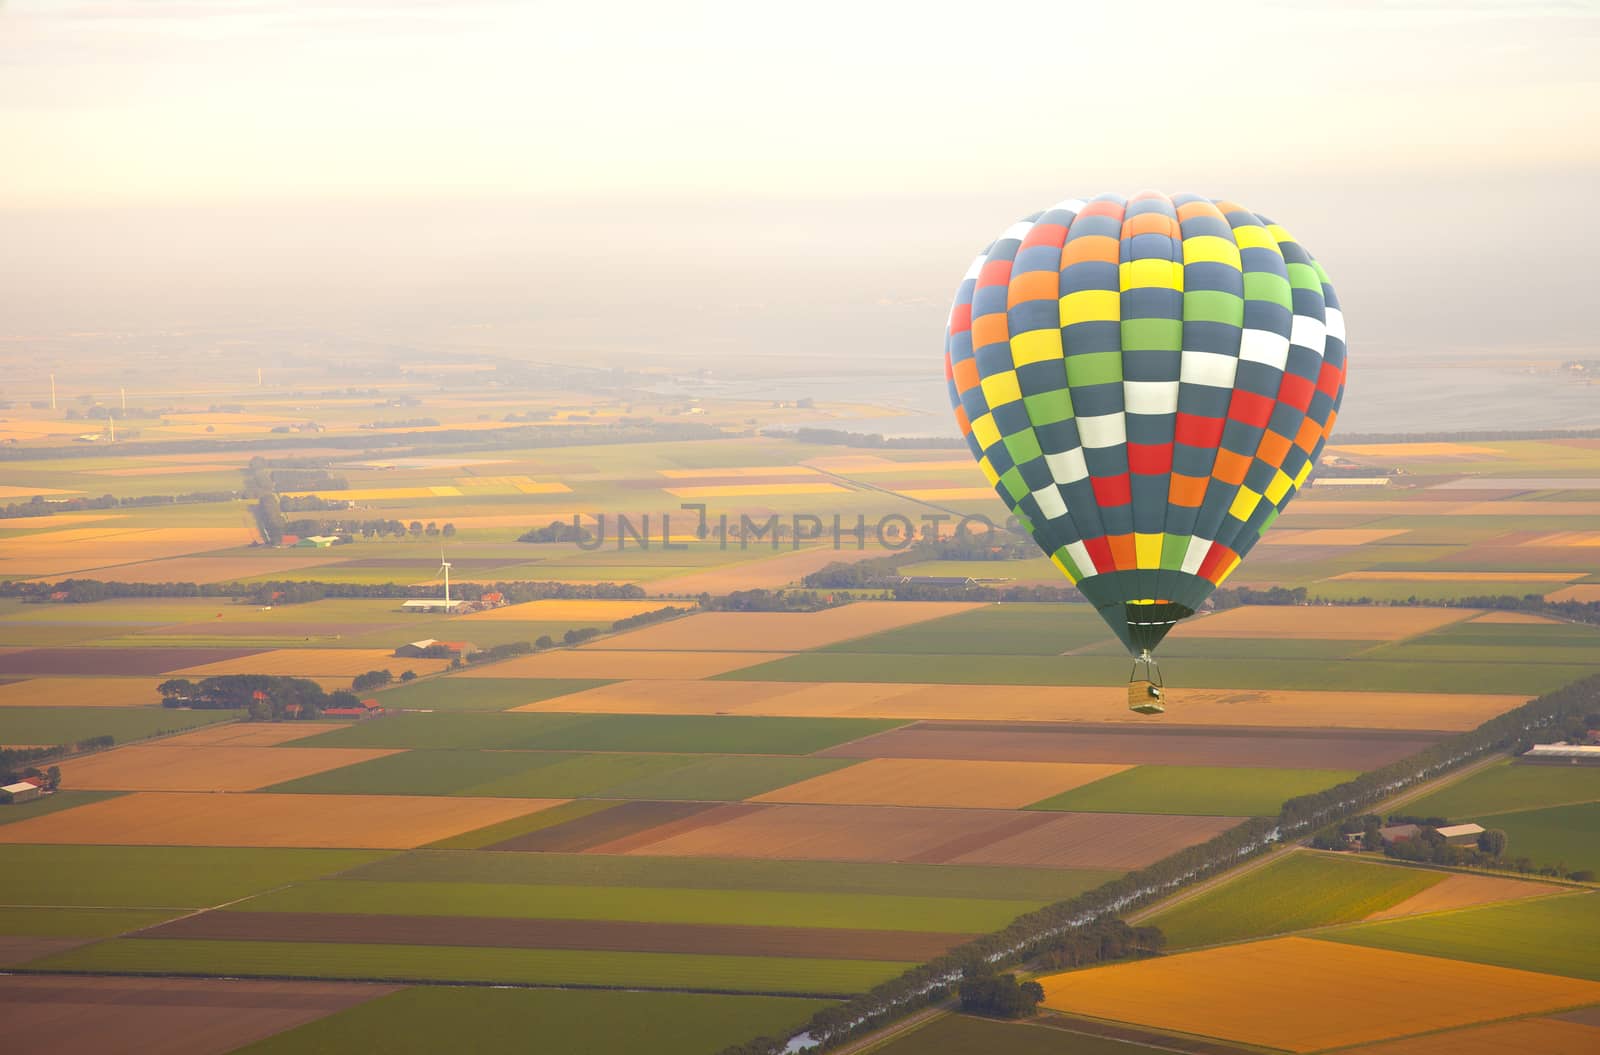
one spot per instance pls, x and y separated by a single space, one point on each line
1216 791
754 908
1568 835
643 970
478 694
728 778
1295 892
430 1019
78 922
1555 935
1002 629
730 734
574 775
158 876
903 880
1508 787
44 726
478 838
965 1035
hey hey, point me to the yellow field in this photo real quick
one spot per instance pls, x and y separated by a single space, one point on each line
1414 450
576 610
1459 576
932 782
1329 536
57 520
214 569
1513 617
210 767
181 818
754 490
949 494
1321 621
8 491
1301 995
81 692
76 549
315 663
593 663
1586 593
737 471
1567 538
1528 1036
250 734
1238 708
794 631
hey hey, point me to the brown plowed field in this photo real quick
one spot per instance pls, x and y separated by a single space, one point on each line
914 833
1464 891
941 782
18 949
312 663
1322 622
602 935
1532 1036
589 663
81 692
608 825
1118 746
163 1016
1224 708
122 661
792 631
180 818
212 767
1297 993
251 734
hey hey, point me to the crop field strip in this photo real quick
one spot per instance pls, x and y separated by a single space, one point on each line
931 782
1511 787
211 767
1212 790
1275 994
798 632
1546 1036
67 725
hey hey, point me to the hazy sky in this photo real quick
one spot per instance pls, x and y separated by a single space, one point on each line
737 178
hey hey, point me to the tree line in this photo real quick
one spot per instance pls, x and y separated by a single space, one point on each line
38 506
1037 933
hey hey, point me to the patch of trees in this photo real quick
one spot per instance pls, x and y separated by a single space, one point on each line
18 763
646 618
498 652
306 480
1038 932
311 504
557 531
263 697
1239 596
765 601
1102 942
998 995
347 529
372 679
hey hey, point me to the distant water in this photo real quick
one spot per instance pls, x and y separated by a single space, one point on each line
1380 399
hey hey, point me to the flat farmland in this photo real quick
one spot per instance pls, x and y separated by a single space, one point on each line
992 629
1301 890
1324 622
965 1035
150 818
790 631
1120 745
252 734
921 834
481 694
1557 935
68 725
1547 1036
1215 790
552 967
764 573
1555 834
173 1016
933 782
429 1019
313 663
80 692
215 569
1275 994
1467 891
562 610
1218 708
118 661
212 767
726 778
600 664
1511 787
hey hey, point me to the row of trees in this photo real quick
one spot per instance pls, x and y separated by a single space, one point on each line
38 506
1038 932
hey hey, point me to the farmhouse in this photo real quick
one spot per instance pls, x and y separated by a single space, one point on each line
21 791
1399 833
368 709
316 541
431 604
1569 754
1461 834
430 648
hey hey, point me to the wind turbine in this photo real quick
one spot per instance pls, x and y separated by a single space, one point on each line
444 566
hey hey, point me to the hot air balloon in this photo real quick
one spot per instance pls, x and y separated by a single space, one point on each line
1146 383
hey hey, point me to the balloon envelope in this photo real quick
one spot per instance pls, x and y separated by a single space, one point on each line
1146 383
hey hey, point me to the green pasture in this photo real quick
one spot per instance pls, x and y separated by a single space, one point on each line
1298 891
750 908
78 922
841 877
70 725
1510 787
685 734
1567 835
1001 629
1553 935
1219 791
158 876
478 838
727 778
477 694
58 635
574 775
423 772
429 1019
443 963
967 1035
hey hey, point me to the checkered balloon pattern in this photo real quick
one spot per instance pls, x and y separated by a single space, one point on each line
1146 383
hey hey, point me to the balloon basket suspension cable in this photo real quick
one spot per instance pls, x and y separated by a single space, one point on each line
1145 693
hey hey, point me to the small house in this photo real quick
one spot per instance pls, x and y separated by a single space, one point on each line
1461 834
20 792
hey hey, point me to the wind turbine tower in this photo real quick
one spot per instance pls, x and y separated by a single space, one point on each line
444 566
52 391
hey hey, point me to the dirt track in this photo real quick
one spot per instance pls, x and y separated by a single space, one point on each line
601 935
